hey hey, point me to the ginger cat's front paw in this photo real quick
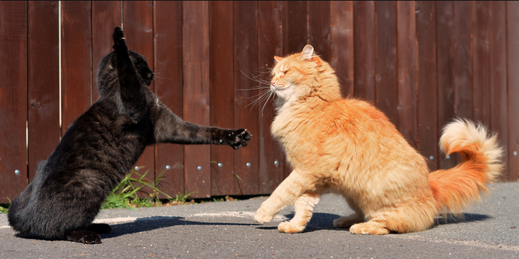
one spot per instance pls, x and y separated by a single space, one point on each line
262 217
290 227
238 138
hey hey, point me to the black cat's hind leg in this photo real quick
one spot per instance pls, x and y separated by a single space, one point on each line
100 228
84 236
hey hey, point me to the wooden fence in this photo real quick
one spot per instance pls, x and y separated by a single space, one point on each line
422 63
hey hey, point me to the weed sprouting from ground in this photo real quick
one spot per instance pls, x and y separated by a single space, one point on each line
4 208
128 193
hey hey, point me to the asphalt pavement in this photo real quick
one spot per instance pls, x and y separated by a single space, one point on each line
490 229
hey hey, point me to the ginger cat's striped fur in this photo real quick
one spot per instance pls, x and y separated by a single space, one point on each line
351 148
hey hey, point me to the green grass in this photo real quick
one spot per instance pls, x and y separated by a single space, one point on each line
4 208
127 193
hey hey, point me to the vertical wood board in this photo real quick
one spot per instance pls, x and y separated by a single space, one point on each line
195 17
223 180
168 71
43 81
271 156
13 99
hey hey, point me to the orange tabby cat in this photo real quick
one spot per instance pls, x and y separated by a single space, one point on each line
351 148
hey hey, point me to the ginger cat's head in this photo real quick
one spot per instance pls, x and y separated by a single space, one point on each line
303 75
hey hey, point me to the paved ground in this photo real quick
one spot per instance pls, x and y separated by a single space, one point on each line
227 230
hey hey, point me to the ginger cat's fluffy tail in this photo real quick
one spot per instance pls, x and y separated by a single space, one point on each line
456 187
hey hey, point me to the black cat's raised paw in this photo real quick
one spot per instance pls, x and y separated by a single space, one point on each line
238 138
118 37
84 236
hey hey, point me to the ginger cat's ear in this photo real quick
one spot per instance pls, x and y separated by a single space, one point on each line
278 59
308 52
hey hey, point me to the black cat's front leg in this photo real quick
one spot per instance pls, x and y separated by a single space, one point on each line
169 128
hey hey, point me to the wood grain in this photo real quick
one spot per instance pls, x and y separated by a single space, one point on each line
195 17
270 44
481 62
444 37
342 46
386 66
246 162
106 15
43 81
13 93
76 61
168 65
319 31
364 48
512 9
427 82
498 75
407 56
223 180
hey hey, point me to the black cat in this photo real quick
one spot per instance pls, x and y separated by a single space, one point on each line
100 147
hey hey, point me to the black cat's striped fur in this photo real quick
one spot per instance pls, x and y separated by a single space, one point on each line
100 147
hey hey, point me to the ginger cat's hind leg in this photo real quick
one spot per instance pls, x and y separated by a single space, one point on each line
348 221
304 208
412 216
372 227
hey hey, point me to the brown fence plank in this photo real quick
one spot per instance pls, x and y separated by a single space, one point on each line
168 88
386 46
462 60
295 29
271 156
76 84
223 181
106 15
246 64
138 28
427 84
498 87
445 70
342 52
364 47
407 71
319 28
512 9
13 93
481 62
196 94
43 81
295 36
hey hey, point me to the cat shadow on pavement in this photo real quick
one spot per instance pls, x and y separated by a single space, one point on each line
151 223
319 221
145 224
322 221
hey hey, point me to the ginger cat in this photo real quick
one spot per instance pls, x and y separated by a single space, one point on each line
351 148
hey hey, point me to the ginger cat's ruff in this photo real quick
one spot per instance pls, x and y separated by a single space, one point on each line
352 149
